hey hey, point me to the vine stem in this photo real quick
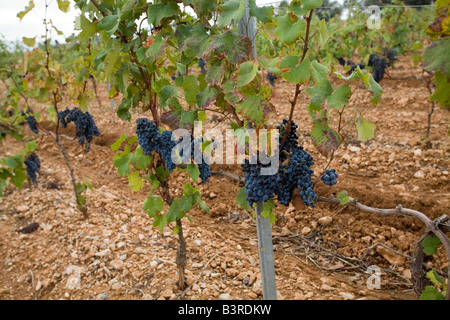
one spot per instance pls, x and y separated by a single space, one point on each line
297 86
82 208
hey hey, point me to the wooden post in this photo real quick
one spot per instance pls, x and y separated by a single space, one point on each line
266 259
264 229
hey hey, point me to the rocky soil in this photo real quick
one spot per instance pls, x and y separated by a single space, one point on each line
117 254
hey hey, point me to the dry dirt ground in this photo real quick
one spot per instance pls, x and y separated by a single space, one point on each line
117 254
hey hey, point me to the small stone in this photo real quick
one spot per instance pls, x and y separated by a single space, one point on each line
120 244
22 209
106 233
231 272
225 296
418 152
220 210
347 296
167 293
305 231
198 242
354 149
117 264
197 265
116 286
326 287
103 296
252 295
299 296
103 253
325 220
140 250
212 195
419 174
390 256
407 274
110 196
73 282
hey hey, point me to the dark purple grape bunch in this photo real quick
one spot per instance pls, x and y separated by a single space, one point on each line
329 177
31 121
202 64
271 77
84 123
33 166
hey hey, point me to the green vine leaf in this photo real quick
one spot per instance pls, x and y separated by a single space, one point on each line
246 73
431 293
299 73
241 199
116 145
158 11
135 181
289 30
344 198
442 94
231 10
340 97
429 245
366 130
27 9
153 204
109 24
193 171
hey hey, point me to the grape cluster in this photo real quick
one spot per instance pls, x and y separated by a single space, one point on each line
84 123
271 77
379 65
378 69
146 131
294 172
150 140
202 64
33 165
344 63
164 146
329 177
341 61
258 187
31 120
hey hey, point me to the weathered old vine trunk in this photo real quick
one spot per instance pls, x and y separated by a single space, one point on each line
181 257
181 251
